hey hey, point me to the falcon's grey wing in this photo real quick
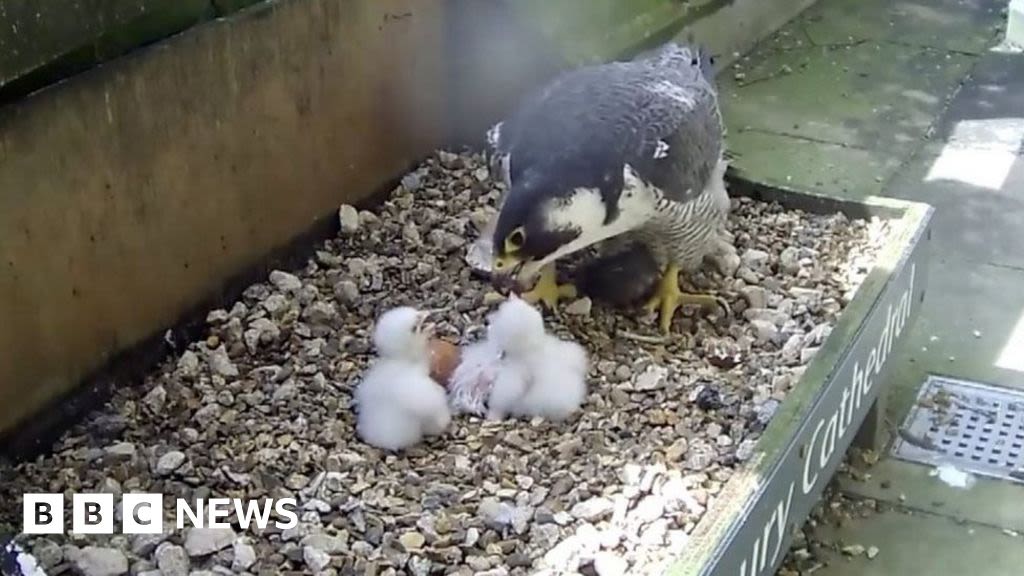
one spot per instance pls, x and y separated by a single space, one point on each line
659 115
683 135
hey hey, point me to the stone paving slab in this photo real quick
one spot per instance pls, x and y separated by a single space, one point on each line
989 502
993 93
921 544
868 95
825 168
957 25
978 194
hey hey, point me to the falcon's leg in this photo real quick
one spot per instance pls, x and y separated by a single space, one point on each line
669 298
548 290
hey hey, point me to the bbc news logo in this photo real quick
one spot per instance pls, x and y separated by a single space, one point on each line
144 513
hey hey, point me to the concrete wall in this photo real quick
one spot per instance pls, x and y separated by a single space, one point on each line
44 41
134 192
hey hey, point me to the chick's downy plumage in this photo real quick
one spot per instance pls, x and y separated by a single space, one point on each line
540 374
603 151
397 402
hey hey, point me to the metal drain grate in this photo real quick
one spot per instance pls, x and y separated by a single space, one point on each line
976 427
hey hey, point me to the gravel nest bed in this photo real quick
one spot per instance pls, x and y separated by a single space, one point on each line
261 408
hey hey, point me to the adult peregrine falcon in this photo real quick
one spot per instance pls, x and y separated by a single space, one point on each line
626 148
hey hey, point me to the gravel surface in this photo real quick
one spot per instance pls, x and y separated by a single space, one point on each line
261 408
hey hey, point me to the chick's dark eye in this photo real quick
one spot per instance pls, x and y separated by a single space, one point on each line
694 62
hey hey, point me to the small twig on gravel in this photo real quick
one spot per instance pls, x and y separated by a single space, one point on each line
642 338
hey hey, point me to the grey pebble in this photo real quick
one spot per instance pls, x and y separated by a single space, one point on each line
97 561
169 462
285 282
205 541
244 557
172 560
315 559
346 292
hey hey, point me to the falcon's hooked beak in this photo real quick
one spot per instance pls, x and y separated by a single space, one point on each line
509 262
508 259
508 265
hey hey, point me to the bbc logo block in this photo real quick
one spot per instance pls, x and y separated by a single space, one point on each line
43 514
93 513
142 514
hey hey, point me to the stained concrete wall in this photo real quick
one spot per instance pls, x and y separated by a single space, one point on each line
135 192
44 41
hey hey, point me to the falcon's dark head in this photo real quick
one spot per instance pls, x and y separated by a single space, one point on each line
551 213
533 225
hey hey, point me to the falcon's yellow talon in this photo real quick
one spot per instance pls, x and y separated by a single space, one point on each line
670 298
548 290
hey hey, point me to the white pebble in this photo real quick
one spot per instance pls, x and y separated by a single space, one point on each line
581 307
348 219
652 378
592 509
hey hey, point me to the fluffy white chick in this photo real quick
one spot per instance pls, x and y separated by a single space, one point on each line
397 402
540 375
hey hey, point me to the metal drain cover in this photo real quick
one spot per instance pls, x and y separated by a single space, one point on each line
976 427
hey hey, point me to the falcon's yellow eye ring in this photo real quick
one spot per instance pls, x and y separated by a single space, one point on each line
514 241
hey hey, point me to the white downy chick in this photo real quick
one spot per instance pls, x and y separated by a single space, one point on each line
540 374
397 401
560 386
